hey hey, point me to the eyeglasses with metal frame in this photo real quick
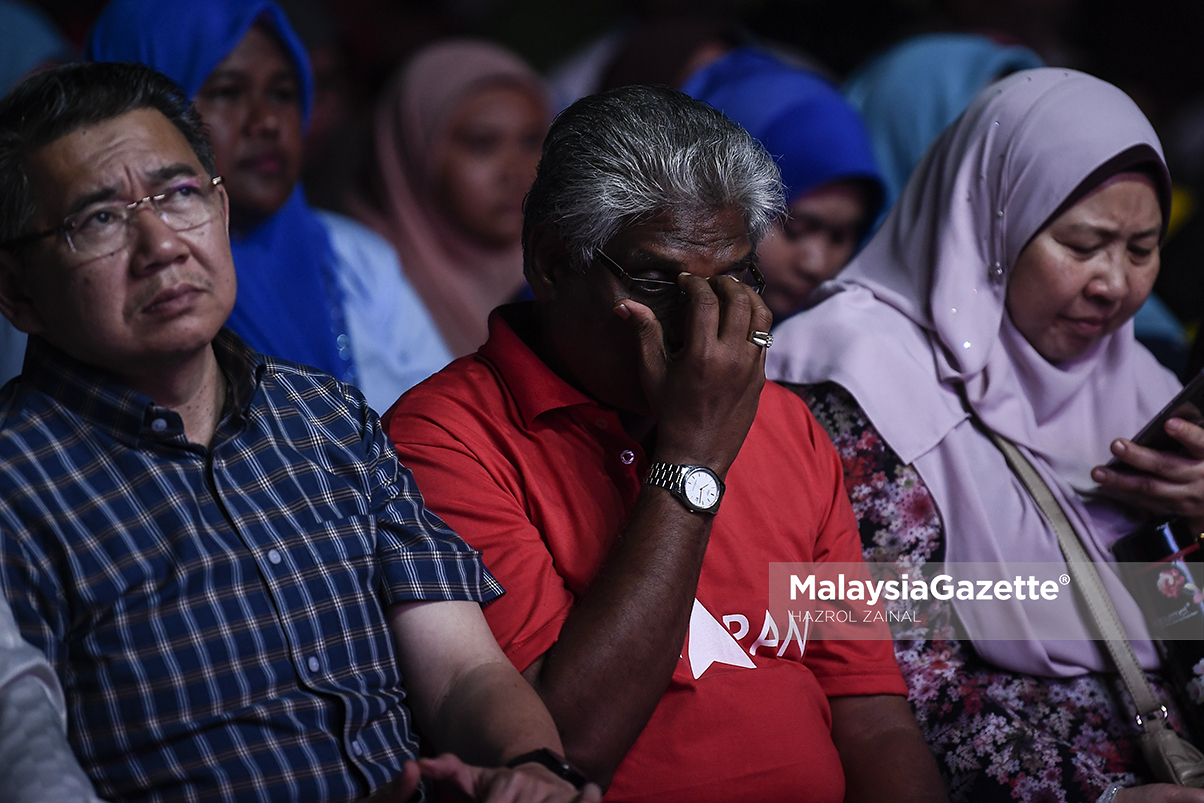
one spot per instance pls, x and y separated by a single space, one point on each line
655 287
104 228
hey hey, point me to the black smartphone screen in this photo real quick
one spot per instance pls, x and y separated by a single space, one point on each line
1188 405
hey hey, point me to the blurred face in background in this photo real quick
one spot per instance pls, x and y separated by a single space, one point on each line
811 244
488 163
251 103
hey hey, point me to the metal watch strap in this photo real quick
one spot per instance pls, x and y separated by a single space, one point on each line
672 478
667 476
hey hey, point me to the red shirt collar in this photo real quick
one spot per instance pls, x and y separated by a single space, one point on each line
535 388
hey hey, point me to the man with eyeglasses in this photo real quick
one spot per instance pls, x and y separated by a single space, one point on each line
217 552
616 454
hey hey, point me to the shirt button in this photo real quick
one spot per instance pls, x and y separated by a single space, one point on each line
627 456
159 424
600 423
357 748
313 664
274 556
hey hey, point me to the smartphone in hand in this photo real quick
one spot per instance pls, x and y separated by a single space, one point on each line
1188 405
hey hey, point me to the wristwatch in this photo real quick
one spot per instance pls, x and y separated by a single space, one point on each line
697 487
559 767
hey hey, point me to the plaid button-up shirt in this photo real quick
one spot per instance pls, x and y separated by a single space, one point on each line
217 615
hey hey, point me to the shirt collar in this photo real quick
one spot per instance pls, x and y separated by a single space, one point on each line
535 388
127 414
244 367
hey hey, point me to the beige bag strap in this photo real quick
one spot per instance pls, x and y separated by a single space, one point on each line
1171 759
1087 581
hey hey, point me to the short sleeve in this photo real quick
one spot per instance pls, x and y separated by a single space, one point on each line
420 556
475 491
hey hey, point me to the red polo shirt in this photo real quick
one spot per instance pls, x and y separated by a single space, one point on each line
541 478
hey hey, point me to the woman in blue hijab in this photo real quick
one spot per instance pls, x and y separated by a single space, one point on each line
314 288
912 92
833 188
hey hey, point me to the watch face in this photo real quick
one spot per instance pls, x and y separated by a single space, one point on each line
701 489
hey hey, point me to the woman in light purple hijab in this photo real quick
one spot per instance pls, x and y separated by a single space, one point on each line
998 294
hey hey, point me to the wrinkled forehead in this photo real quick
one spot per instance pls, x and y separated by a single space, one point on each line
717 232
124 157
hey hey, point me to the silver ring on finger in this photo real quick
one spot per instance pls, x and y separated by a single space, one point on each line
762 339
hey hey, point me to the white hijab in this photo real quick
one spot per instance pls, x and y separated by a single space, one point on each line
915 329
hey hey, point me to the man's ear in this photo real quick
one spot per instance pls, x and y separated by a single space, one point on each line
547 260
14 301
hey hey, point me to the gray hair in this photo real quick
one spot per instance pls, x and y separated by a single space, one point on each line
622 157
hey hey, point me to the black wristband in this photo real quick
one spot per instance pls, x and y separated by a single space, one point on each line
552 762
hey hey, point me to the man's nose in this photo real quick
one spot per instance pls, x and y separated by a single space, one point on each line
672 317
154 243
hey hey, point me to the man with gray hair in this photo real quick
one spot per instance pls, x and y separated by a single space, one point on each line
615 452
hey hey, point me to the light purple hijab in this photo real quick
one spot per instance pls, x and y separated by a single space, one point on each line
915 329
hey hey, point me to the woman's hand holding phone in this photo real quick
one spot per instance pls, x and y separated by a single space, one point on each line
1161 482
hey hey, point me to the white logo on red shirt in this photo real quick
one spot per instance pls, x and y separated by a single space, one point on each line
710 642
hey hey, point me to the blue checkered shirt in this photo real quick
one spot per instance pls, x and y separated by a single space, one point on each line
217 616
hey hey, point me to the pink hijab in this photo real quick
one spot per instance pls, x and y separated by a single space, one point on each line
916 330
459 280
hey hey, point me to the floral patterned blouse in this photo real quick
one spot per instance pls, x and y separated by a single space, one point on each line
997 735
